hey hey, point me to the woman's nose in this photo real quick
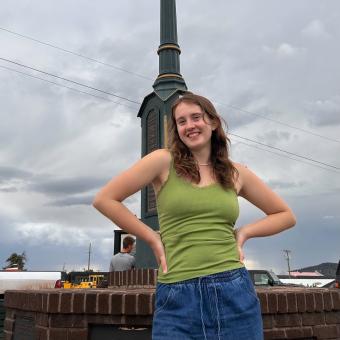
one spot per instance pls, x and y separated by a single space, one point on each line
190 124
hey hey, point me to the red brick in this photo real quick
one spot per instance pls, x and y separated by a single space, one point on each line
44 303
332 317
153 277
272 303
9 325
41 333
67 321
326 332
8 335
336 299
78 302
301 302
287 320
9 300
274 334
41 319
90 303
116 278
110 279
299 332
103 303
267 321
310 303
131 277
66 302
144 304
311 319
318 302
327 301
263 302
131 304
10 313
58 334
145 277
139 276
125 275
282 304
34 301
77 334
116 303
53 302
292 303
153 296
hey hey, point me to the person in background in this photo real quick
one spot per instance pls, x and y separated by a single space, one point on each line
123 260
204 290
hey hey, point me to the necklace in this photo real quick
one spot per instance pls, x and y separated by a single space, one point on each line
204 164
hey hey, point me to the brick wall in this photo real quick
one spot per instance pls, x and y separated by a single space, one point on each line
293 313
288 313
66 314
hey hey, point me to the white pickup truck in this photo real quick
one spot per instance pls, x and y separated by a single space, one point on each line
10 280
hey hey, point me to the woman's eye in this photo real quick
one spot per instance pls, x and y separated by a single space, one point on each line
181 122
196 117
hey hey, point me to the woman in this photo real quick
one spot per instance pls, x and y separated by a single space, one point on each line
203 289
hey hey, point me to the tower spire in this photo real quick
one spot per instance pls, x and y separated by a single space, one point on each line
169 79
154 113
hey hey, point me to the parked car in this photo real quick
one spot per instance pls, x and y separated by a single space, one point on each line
262 277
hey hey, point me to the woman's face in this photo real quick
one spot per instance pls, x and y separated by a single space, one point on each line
193 125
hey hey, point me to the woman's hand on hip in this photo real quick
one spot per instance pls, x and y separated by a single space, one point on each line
158 249
240 240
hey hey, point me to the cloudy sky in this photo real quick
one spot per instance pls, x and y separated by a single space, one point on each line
270 67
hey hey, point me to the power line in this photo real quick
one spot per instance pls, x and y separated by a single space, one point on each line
68 80
67 87
286 156
248 139
148 78
75 53
285 151
279 122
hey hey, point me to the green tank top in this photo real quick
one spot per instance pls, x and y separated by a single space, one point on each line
196 226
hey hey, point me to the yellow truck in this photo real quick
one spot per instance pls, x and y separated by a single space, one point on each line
83 280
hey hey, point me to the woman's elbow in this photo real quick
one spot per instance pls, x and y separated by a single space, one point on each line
292 219
97 202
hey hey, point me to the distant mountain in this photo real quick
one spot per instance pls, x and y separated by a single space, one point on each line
327 269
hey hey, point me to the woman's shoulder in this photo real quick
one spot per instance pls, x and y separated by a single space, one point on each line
239 167
240 176
162 157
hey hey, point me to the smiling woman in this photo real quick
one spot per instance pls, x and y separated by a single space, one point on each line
202 278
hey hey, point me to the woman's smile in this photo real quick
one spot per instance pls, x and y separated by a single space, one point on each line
193 125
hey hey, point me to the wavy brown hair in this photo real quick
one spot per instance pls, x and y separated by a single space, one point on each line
185 165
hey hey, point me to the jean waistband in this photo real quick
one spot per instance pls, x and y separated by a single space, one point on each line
227 275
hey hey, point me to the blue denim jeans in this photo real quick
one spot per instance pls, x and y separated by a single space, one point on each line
219 306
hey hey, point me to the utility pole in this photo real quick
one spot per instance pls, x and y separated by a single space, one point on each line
89 260
287 253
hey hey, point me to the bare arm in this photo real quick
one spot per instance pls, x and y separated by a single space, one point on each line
109 199
279 216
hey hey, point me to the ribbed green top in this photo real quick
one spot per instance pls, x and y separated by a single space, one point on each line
196 226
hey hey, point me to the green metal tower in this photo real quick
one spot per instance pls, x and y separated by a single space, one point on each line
154 113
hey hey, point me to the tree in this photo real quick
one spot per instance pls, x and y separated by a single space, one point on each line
16 260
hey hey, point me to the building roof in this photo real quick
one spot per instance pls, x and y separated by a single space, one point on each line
298 273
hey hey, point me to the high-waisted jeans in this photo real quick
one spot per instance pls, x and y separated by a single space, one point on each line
219 306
